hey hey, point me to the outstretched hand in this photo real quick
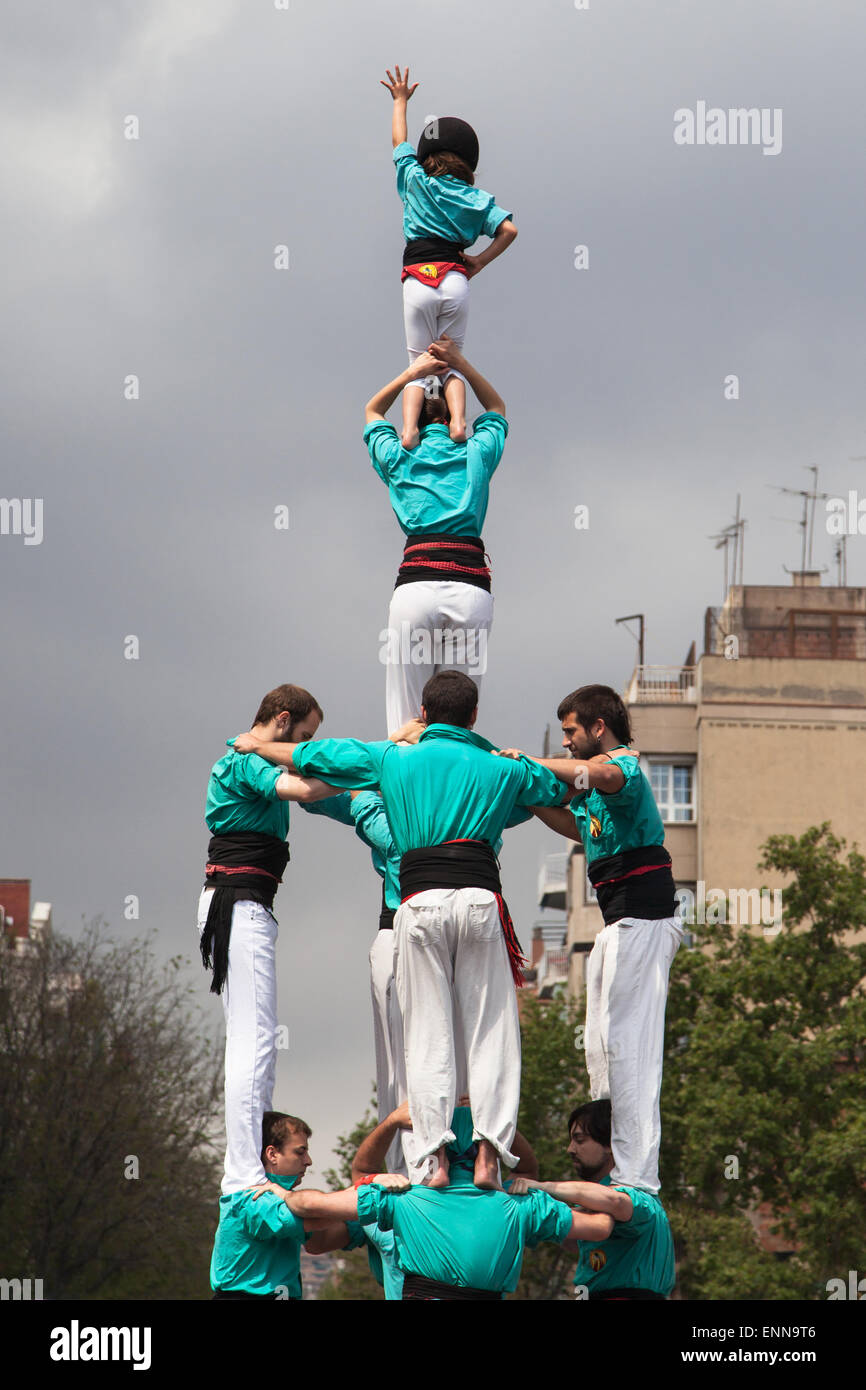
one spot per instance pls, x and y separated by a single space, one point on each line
509 753
398 86
520 1186
410 732
246 743
262 1187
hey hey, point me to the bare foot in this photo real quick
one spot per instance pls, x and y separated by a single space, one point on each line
410 441
440 1178
457 431
487 1167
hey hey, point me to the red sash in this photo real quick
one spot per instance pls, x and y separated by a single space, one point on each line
431 273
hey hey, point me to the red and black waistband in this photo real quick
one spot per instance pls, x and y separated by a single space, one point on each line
462 864
461 559
636 883
431 248
242 866
420 1289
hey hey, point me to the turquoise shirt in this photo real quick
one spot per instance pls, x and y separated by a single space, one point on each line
444 206
441 486
242 795
461 1234
627 819
257 1247
366 813
380 1257
448 786
638 1254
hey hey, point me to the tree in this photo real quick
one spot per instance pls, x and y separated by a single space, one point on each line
110 1094
763 1103
352 1278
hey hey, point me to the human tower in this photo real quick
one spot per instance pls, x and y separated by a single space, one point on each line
446 1195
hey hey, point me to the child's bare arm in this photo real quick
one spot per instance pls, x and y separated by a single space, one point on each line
505 234
401 92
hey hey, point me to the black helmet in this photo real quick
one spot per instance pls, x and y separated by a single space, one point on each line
449 133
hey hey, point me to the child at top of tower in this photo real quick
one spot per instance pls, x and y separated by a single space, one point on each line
443 214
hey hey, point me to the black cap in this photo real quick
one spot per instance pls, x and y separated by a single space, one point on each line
449 133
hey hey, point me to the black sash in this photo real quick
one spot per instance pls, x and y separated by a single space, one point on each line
431 248
637 883
416 1287
438 556
386 913
462 864
245 865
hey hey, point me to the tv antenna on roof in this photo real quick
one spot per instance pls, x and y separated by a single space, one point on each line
807 522
734 533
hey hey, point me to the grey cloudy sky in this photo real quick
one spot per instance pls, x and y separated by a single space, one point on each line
155 256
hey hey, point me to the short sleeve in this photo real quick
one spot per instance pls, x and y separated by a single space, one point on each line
631 787
489 433
493 219
384 447
344 762
408 168
257 774
645 1208
270 1219
548 1219
371 823
541 787
375 1206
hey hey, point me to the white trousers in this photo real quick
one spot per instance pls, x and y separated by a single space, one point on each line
429 312
453 975
249 998
626 992
433 625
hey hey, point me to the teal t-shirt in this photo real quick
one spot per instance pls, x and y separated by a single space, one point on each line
441 486
257 1246
638 1254
448 786
242 795
461 1234
367 814
443 206
380 1257
627 819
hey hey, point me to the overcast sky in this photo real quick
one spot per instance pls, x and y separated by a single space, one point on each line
154 256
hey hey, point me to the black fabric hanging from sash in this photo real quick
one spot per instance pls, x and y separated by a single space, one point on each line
245 865
386 913
462 864
637 883
439 556
419 1289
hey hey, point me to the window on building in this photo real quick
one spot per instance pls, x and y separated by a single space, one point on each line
589 893
673 785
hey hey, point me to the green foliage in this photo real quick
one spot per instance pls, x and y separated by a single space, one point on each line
102 1063
765 1042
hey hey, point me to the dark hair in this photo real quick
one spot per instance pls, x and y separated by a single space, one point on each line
592 702
594 1118
449 697
447 162
277 1127
294 698
434 411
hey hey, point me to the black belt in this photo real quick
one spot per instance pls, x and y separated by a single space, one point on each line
431 248
637 883
460 559
416 1287
246 865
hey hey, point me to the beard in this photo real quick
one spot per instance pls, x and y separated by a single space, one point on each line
584 1172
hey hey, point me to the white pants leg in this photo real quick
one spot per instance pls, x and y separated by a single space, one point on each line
450 950
433 625
388 1041
626 992
429 312
249 998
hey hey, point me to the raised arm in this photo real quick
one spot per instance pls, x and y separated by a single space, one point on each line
558 818
590 1196
450 355
378 406
528 1165
370 1157
321 1209
401 92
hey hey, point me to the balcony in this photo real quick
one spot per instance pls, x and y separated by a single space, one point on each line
662 685
552 881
